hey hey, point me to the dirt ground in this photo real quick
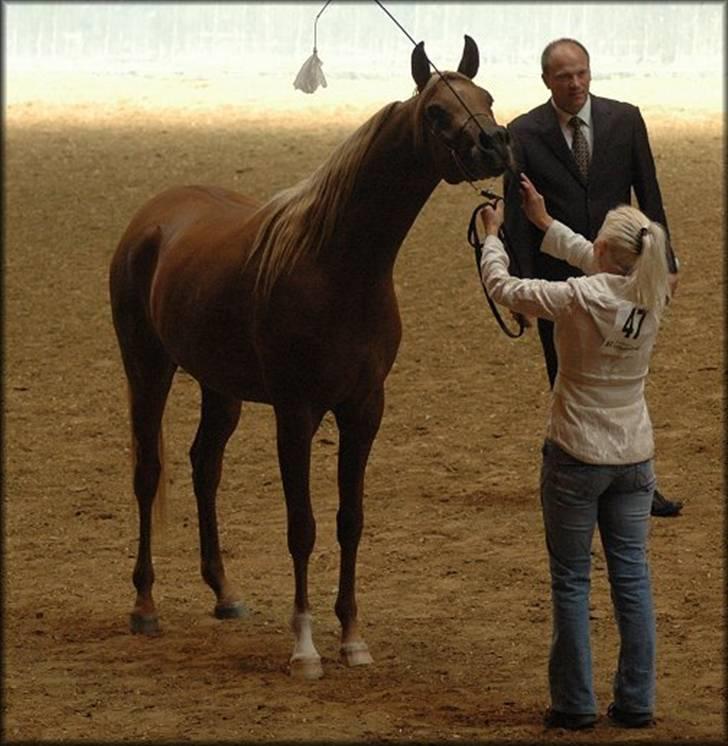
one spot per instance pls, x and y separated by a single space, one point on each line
453 580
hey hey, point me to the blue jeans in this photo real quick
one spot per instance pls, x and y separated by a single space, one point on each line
576 497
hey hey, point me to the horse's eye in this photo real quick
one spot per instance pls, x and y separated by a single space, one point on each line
438 117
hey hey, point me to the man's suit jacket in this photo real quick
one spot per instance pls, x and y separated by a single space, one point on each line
621 161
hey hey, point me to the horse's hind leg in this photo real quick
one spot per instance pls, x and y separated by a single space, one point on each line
148 390
219 418
358 425
149 372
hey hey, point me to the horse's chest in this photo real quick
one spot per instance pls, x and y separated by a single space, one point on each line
333 350
348 350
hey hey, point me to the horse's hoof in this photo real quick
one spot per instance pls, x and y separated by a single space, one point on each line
355 654
231 610
306 668
144 624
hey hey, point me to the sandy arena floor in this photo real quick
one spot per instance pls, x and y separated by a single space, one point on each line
453 581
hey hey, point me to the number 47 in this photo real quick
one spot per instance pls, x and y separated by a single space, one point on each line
629 329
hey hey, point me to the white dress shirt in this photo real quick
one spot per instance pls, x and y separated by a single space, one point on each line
603 341
586 124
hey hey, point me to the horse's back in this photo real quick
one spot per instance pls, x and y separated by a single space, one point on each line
179 208
186 224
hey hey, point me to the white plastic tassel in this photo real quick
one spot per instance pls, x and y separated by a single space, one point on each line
310 76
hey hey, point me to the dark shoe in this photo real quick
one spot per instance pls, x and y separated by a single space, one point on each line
629 719
568 720
664 508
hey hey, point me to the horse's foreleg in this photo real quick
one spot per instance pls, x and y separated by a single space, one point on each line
358 426
295 429
219 418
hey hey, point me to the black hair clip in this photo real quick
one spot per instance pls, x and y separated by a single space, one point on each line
644 230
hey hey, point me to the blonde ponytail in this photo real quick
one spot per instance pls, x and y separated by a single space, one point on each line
650 270
637 246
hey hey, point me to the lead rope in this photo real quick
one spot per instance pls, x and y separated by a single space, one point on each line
477 244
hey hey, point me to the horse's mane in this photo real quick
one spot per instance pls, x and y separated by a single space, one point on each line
301 219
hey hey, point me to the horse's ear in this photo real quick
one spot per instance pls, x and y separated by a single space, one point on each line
420 66
470 61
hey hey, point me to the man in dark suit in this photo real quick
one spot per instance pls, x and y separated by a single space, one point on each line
585 154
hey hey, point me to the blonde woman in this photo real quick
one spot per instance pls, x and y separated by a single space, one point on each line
597 464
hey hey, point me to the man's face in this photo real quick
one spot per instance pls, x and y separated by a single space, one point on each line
568 77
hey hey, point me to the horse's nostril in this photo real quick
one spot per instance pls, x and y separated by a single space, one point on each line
485 140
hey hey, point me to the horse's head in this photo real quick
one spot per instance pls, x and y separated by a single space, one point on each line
465 141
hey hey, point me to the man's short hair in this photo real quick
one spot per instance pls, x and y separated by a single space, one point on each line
546 54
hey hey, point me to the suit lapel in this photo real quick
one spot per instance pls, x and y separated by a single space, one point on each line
554 138
601 132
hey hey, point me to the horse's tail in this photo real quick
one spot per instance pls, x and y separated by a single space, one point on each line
159 504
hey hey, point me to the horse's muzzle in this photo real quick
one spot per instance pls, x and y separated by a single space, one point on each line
493 154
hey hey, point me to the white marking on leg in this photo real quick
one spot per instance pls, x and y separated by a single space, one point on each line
302 626
305 661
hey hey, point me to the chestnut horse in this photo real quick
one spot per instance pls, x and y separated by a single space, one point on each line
290 303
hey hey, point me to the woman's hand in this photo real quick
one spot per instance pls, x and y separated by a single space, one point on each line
492 219
533 205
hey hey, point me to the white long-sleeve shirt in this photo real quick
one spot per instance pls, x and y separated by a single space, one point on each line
603 341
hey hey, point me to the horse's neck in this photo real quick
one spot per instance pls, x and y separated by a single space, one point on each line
395 180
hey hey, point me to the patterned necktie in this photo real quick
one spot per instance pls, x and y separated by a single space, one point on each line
579 147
